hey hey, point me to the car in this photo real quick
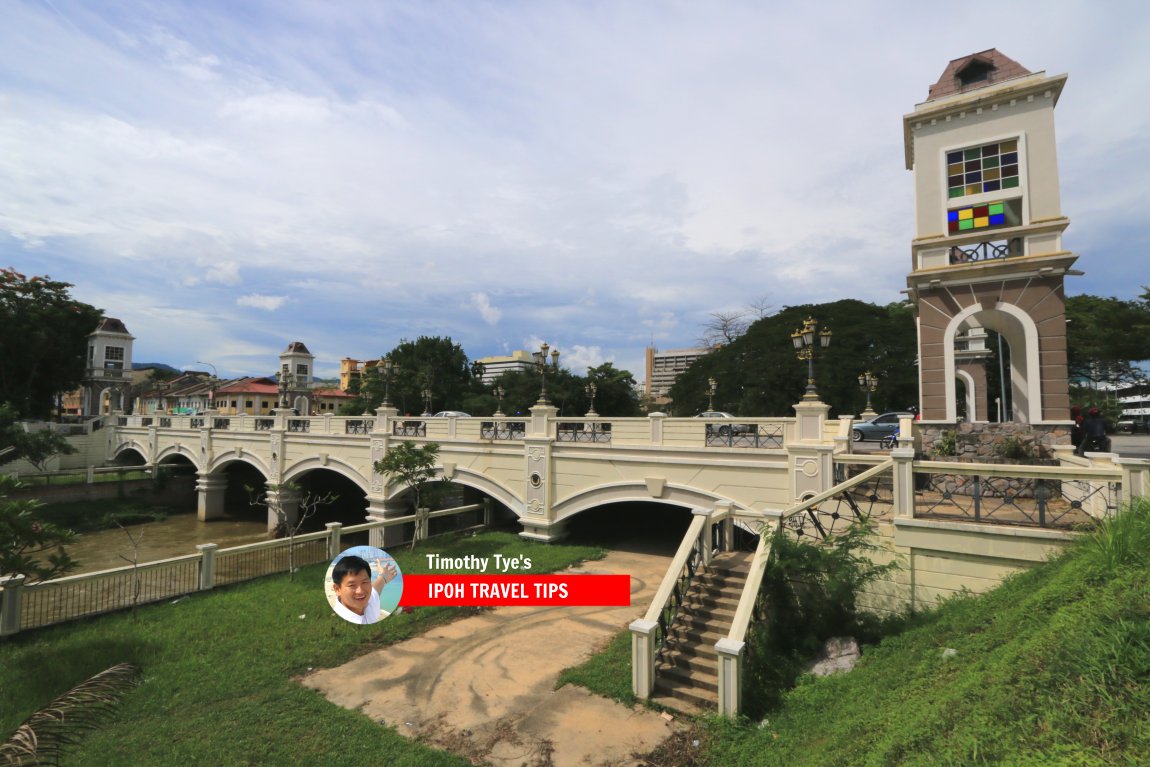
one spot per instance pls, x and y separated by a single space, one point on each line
451 414
1125 427
878 427
724 429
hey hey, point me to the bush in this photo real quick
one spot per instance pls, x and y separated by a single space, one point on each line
809 594
946 444
1015 448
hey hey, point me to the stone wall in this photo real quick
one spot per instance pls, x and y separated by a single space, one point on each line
178 492
982 442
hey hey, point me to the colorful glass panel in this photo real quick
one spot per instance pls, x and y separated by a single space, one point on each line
987 168
982 216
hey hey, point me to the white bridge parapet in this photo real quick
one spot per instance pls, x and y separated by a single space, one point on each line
544 467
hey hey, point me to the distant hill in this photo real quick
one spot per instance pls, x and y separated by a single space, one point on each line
156 365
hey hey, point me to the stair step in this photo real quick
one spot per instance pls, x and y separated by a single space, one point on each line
694 679
698 698
686 707
696 659
695 634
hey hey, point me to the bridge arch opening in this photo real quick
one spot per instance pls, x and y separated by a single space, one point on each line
641 526
348 501
245 485
129 456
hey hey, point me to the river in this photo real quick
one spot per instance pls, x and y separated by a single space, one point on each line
172 537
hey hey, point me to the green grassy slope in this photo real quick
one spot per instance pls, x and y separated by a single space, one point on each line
1052 668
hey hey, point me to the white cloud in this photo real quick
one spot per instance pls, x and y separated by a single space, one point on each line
256 301
489 313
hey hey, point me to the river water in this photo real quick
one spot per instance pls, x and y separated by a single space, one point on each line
172 537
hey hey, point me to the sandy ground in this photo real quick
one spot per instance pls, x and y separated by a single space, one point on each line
483 687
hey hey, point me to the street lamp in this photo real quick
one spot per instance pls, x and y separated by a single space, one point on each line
712 387
499 391
540 360
804 341
386 368
591 388
868 381
286 383
427 400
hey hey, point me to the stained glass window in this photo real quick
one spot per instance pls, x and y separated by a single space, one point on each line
989 168
985 216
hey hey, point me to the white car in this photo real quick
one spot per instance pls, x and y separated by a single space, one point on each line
725 429
451 414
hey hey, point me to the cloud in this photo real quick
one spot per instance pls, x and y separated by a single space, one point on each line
256 301
482 304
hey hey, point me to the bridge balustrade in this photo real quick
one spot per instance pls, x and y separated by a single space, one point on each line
502 430
583 430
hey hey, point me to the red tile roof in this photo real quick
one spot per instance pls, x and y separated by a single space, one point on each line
1001 68
250 385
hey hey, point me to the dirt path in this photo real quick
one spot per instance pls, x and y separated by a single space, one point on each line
484 686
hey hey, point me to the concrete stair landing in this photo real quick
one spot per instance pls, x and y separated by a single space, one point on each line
686 677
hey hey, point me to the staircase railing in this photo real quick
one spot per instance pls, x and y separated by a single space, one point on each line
649 633
730 648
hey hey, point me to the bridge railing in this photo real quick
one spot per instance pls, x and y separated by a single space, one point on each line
761 433
26 606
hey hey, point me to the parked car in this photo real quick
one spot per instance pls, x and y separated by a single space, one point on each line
878 427
451 414
724 429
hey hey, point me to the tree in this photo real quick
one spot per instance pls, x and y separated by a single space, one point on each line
407 464
276 500
615 394
1105 337
43 338
758 374
29 544
36 447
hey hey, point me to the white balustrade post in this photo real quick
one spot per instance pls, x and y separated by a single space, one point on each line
643 657
334 531
11 599
903 481
730 675
657 420
487 512
1135 477
207 565
91 475
422 524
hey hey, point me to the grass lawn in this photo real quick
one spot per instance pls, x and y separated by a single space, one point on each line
606 673
1052 669
218 670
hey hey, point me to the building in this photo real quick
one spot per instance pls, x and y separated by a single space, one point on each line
108 376
189 393
987 252
496 366
664 368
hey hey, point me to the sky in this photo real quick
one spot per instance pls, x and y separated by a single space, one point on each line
229 176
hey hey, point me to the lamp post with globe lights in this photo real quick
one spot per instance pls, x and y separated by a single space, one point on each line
540 359
868 382
805 344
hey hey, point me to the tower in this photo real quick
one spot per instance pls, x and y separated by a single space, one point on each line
297 366
109 370
987 253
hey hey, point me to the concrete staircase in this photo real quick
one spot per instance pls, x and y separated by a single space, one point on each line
686 677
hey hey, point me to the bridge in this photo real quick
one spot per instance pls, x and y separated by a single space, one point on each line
543 468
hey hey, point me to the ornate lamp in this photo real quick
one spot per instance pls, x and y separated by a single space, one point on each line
591 388
541 364
499 392
868 382
804 341
712 387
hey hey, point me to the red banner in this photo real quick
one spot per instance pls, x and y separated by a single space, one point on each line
521 590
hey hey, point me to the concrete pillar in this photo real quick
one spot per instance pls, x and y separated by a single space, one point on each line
730 655
283 507
210 489
643 657
207 565
657 420
334 533
11 599
391 536
541 417
903 481
1135 477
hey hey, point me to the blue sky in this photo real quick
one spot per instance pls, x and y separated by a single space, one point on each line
227 177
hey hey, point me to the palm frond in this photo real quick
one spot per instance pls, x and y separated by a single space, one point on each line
63 722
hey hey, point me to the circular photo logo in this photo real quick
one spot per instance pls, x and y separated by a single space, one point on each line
363 584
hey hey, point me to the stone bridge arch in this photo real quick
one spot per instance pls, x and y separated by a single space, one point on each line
171 451
219 462
344 469
621 492
119 450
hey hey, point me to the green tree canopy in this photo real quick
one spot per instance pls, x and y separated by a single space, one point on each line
43 340
758 374
1106 337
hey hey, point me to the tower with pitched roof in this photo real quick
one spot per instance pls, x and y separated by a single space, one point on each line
987 254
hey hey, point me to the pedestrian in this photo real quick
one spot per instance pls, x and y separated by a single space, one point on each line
1076 429
1094 437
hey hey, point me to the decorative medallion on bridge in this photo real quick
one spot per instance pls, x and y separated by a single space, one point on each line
535 479
535 453
535 506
